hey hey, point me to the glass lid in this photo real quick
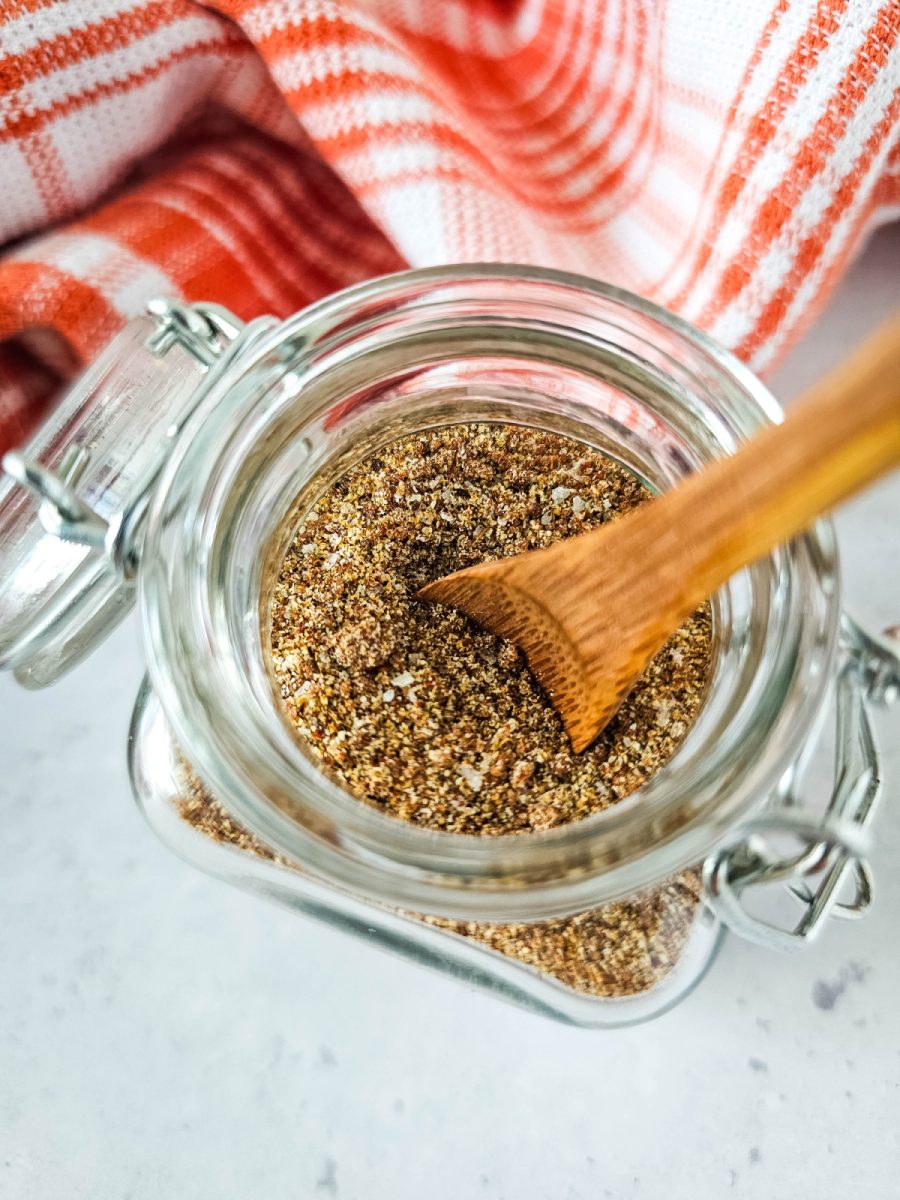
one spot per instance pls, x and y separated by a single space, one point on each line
72 500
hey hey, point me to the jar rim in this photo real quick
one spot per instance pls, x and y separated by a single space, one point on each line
506 877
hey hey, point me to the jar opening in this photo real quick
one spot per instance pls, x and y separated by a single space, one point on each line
415 352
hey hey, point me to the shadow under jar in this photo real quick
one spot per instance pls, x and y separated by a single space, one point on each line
227 784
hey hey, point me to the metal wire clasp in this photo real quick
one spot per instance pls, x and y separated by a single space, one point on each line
834 844
60 510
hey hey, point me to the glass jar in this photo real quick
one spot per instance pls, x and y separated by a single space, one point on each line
175 474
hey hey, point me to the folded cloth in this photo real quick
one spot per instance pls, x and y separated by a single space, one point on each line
724 158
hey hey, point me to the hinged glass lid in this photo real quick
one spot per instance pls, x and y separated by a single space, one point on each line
72 501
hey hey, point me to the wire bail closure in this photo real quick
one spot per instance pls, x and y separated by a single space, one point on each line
61 512
835 842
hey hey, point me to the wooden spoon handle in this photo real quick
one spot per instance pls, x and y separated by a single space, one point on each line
841 435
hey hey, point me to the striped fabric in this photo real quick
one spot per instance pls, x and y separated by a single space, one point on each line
724 157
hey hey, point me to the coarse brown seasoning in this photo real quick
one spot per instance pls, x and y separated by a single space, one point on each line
417 710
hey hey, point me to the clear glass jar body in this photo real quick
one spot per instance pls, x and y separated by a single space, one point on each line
302 405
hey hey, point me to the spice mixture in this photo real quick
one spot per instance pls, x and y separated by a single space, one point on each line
417 710
437 722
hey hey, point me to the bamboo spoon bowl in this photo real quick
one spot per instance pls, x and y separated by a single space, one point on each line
591 612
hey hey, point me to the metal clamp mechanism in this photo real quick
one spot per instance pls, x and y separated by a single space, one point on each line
206 332
834 844
60 510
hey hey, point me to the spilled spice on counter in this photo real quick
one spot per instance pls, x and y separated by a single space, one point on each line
435 721
417 710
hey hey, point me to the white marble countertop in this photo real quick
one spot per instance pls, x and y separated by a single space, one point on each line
165 1036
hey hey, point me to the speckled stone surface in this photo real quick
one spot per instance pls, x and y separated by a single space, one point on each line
163 1035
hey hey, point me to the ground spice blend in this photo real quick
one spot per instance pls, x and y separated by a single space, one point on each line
417 710
435 721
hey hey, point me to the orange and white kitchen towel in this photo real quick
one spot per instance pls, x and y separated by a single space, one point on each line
723 157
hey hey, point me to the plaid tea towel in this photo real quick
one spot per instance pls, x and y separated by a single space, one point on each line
724 158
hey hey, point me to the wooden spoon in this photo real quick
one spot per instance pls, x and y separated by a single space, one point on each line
590 612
